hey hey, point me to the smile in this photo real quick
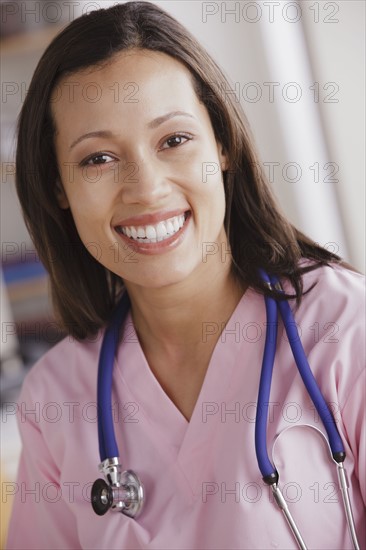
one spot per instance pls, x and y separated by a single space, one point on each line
154 233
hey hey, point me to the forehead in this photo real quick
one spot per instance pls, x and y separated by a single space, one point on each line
137 82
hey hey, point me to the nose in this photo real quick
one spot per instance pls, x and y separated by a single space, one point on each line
144 181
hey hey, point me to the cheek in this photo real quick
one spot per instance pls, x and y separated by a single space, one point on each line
216 200
83 184
211 187
94 235
204 181
90 220
87 200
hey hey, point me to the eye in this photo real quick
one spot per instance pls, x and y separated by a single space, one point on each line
97 159
176 140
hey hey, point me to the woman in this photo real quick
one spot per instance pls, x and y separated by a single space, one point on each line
135 175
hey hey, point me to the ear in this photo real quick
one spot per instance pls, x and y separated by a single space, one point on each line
61 197
224 163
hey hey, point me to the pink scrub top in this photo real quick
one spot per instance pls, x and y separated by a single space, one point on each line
203 486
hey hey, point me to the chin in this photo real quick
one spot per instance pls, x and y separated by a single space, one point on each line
160 276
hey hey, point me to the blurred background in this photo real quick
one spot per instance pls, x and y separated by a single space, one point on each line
297 68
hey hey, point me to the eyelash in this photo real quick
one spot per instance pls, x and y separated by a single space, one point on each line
94 156
188 137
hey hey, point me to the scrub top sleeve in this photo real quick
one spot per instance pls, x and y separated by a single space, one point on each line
354 419
40 517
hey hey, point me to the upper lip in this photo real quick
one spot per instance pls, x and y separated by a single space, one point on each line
151 219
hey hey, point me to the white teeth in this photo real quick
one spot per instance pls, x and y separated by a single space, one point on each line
161 231
155 233
169 227
150 232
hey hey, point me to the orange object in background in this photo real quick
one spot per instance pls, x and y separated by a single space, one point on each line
5 507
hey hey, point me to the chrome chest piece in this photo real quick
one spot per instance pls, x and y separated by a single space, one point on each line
122 491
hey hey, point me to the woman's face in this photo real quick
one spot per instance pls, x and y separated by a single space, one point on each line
140 168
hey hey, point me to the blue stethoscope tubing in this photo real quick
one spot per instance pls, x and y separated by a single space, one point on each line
267 469
107 440
269 472
113 494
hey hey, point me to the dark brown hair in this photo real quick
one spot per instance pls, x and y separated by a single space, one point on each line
83 291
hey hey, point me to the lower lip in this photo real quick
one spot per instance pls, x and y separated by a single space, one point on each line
160 247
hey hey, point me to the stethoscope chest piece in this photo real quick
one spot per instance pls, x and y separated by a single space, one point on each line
122 492
101 497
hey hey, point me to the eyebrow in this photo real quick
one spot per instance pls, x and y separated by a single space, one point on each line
98 133
160 119
151 125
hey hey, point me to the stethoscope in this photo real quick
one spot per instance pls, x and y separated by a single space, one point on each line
122 491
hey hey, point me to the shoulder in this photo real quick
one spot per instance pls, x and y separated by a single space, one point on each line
67 368
337 297
335 292
335 278
331 322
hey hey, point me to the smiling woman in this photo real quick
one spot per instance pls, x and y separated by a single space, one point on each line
140 186
71 68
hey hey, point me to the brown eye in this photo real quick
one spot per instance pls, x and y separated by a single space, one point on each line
100 159
176 140
97 159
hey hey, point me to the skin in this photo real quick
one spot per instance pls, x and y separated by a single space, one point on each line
173 292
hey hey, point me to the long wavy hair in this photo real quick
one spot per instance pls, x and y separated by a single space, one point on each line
84 292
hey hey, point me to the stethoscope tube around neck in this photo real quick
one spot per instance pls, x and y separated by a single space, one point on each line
107 440
268 471
124 491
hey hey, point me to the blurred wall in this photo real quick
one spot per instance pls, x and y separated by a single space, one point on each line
337 54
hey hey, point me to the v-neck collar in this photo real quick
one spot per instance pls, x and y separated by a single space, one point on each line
184 439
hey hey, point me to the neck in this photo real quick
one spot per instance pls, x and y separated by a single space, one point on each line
182 316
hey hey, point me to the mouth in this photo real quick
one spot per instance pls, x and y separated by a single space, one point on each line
163 231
